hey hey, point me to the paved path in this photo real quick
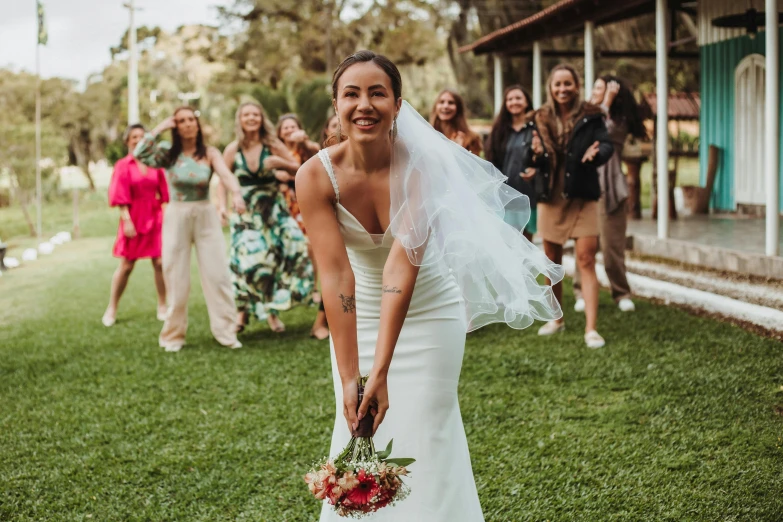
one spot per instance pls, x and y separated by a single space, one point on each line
737 233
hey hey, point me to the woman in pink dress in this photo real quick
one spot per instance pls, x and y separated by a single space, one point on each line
139 191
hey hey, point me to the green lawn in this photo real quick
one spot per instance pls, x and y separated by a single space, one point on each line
678 418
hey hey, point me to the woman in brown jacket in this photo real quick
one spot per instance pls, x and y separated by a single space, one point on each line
576 141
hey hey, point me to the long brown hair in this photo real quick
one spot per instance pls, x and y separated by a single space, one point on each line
625 109
550 99
266 133
459 121
176 140
496 144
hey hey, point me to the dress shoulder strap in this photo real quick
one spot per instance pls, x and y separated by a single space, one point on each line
323 155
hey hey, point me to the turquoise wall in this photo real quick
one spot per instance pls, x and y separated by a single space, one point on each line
719 61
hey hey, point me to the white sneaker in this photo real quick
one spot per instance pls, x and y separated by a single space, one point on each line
107 321
593 340
551 328
626 305
579 306
173 347
235 345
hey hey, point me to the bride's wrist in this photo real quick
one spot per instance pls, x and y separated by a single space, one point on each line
379 372
349 376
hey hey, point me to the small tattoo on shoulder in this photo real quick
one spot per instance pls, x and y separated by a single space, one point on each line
391 290
349 303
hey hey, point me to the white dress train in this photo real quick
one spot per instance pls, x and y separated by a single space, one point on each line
424 417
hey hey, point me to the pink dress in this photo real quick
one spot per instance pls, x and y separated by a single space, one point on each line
143 194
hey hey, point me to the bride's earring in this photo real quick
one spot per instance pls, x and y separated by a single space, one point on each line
394 130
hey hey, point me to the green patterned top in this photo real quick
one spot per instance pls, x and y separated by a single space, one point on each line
259 177
188 178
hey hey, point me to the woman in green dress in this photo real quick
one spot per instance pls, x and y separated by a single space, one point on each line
271 271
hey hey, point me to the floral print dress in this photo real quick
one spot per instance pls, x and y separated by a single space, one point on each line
271 271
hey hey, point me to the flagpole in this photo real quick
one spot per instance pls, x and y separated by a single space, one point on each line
38 189
133 67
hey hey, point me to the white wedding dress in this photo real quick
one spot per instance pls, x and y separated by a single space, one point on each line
424 417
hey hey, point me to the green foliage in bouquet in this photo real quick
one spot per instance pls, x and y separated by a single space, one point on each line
360 480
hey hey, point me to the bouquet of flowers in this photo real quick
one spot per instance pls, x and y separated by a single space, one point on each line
360 480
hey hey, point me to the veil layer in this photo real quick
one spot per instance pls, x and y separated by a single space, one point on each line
447 209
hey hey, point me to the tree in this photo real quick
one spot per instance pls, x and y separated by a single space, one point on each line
17 139
280 39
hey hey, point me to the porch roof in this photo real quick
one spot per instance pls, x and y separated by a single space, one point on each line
564 17
683 106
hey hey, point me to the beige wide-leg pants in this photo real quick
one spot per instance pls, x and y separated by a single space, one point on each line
186 224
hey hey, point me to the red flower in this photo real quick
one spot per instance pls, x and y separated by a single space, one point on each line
365 491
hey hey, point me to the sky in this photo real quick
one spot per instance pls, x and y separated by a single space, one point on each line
82 31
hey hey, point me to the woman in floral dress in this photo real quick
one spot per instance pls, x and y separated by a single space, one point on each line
271 271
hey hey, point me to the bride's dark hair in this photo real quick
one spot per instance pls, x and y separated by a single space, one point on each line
378 59
362 57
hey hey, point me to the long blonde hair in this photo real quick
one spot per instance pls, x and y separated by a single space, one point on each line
266 133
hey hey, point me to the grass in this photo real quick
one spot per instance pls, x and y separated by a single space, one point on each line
678 418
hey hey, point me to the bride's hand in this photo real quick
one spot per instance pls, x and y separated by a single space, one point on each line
350 403
376 399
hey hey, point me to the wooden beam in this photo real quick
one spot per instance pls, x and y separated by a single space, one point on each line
551 53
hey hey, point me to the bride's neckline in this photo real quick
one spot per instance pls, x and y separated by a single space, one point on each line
356 220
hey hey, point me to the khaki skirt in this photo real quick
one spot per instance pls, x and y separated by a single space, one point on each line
561 219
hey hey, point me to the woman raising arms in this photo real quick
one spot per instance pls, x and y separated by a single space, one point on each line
191 219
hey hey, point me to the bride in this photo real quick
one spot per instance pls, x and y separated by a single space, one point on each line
407 229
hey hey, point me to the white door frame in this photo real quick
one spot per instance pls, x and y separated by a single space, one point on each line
749 133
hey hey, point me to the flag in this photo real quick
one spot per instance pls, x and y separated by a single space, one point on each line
43 36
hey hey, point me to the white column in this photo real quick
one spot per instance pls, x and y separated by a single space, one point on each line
589 58
662 138
498 84
133 68
537 98
771 122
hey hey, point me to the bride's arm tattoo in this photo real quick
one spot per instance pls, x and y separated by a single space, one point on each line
349 303
387 289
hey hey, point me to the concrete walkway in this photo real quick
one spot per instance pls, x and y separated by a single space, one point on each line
721 231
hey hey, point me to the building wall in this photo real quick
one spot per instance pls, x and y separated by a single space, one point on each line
719 61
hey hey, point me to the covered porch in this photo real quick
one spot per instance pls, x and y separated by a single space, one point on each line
709 237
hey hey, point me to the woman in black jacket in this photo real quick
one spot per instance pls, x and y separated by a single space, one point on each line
510 148
575 138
